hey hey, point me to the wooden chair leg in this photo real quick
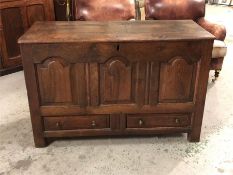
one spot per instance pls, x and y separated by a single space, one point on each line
138 10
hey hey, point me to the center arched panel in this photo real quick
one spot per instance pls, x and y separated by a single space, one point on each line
117 81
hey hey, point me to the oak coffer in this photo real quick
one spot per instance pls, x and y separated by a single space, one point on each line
116 78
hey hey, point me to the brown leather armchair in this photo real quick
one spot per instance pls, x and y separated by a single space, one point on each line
190 9
105 10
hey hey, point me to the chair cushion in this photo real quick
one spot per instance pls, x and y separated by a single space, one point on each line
174 9
219 49
104 10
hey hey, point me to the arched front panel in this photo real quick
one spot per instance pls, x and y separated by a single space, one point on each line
54 81
177 79
117 81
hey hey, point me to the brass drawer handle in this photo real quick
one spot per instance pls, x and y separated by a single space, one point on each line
177 121
140 122
93 124
59 125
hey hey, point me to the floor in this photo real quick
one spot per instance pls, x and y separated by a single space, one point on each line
151 155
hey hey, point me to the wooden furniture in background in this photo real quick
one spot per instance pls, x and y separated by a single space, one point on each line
16 16
116 78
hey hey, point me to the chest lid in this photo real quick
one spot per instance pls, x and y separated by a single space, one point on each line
114 31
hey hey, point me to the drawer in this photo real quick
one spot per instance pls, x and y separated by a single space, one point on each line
158 120
76 122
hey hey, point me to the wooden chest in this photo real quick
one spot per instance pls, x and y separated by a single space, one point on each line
116 78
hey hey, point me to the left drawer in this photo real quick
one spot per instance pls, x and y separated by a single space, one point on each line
76 122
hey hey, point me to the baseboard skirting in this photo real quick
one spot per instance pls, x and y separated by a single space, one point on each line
10 70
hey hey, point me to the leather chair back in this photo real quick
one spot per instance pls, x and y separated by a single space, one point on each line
174 9
104 10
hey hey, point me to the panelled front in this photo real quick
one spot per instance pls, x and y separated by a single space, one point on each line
39 10
146 88
15 18
12 27
96 77
35 13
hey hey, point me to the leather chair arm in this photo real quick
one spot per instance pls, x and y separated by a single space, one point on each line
219 31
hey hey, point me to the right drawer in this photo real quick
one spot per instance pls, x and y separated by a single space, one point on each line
158 120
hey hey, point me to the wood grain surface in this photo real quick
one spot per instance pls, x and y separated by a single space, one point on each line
92 31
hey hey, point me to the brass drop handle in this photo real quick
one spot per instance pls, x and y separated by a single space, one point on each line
58 125
93 124
140 122
177 121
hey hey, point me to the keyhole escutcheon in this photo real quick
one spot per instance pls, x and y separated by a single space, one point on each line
118 47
